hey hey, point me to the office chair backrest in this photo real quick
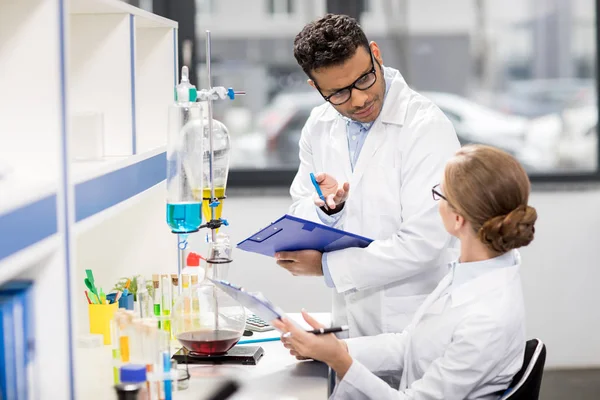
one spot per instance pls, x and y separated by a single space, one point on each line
527 382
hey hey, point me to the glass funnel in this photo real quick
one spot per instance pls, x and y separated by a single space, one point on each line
184 167
221 150
206 320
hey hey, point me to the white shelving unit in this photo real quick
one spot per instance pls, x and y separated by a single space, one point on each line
59 59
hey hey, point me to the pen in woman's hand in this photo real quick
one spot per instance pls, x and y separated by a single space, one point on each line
322 331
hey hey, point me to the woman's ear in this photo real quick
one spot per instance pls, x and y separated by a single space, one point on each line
459 222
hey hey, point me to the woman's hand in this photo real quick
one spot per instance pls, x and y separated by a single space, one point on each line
304 345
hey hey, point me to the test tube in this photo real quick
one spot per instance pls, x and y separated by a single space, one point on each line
187 301
149 327
157 296
164 363
167 301
143 298
125 319
137 342
195 305
116 354
151 349
174 297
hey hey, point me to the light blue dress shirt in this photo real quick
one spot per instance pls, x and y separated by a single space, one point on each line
356 132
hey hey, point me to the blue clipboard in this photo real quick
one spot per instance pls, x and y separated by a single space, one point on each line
255 302
290 233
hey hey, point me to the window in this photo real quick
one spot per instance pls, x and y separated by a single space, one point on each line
280 7
507 74
205 7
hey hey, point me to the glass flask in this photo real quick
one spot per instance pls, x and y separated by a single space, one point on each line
221 150
208 321
185 149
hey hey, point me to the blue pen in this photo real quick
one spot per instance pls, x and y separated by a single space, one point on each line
317 188
271 339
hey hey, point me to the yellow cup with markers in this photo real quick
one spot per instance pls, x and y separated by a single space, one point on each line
100 316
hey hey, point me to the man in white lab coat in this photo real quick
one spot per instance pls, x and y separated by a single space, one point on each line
377 148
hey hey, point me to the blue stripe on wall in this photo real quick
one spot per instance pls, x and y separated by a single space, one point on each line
108 190
132 64
27 225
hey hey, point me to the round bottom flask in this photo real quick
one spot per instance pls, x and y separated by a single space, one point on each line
208 321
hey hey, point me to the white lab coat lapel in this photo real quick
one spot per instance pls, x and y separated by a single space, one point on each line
418 315
375 138
393 112
432 298
339 144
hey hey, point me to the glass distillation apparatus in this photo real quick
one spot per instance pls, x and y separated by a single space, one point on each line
205 320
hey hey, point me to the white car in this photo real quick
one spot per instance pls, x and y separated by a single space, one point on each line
519 136
578 145
274 143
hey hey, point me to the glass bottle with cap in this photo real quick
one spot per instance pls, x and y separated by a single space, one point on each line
215 322
133 383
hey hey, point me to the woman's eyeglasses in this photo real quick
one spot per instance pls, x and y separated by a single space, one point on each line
436 193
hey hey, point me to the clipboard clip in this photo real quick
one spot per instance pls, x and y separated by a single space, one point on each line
266 233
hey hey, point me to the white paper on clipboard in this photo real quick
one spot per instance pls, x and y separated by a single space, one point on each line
255 302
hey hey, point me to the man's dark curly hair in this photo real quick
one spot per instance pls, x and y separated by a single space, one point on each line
329 41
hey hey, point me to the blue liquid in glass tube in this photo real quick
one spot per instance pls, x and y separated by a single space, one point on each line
184 217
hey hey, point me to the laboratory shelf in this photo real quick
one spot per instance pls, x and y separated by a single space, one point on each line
32 219
156 74
98 7
81 80
32 227
102 185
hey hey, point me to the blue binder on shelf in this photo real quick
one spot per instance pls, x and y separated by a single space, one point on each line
290 233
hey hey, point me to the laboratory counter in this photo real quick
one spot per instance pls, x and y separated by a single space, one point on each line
277 375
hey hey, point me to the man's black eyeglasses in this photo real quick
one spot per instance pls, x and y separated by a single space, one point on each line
364 82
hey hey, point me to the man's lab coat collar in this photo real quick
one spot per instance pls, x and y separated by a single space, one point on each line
478 287
394 106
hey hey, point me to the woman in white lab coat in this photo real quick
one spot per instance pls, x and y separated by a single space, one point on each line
467 339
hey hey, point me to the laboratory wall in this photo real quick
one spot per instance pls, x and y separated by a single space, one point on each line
560 271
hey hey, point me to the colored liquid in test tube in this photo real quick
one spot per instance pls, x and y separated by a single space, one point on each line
157 296
167 301
116 353
125 321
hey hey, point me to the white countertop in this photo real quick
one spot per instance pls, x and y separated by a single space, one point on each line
277 375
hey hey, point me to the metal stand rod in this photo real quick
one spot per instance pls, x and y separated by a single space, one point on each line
211 168
181 263
210 137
